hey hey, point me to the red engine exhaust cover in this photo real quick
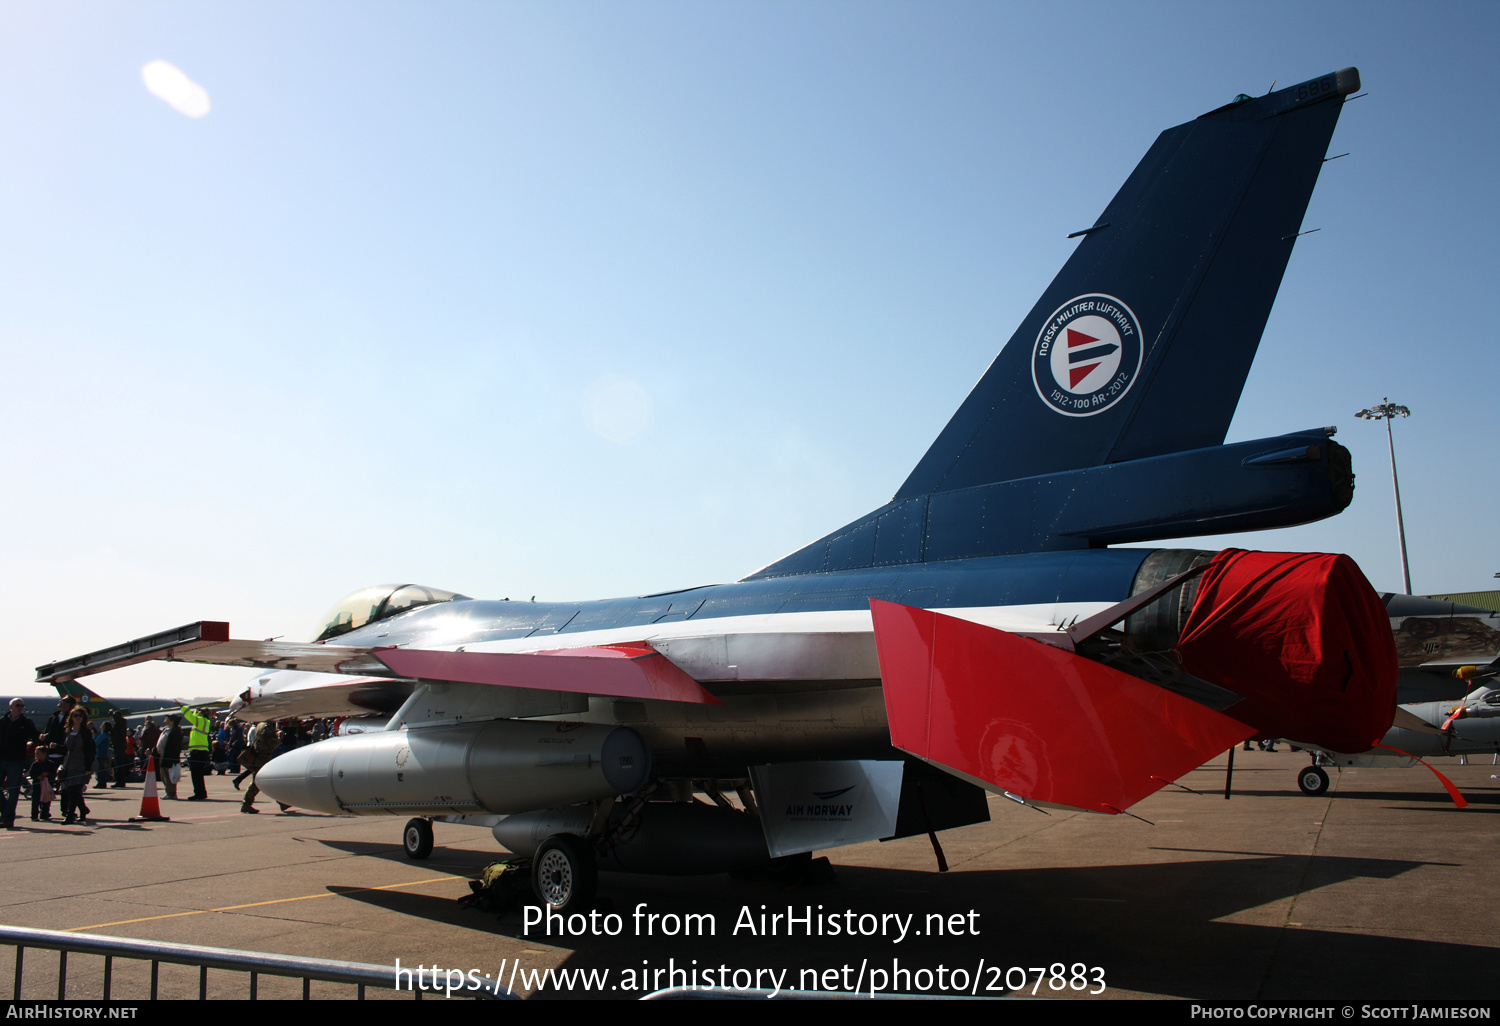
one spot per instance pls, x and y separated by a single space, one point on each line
1304 638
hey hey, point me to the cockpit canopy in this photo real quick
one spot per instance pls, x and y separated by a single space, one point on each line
378 602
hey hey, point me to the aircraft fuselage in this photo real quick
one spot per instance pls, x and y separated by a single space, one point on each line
792 660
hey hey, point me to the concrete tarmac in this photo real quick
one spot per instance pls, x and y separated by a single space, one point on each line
1379 890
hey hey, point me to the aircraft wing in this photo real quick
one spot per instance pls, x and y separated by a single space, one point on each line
634 670
208 641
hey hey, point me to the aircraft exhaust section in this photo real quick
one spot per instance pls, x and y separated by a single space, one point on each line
1157 627
498 766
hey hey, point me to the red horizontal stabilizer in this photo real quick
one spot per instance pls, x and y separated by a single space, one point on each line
1304 638
620 671
1041 723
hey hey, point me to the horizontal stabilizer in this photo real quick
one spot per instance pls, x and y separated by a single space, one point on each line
1033 721
620 671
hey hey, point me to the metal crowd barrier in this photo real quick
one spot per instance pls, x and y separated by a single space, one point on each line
256 963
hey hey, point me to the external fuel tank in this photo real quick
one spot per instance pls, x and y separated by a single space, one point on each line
497 766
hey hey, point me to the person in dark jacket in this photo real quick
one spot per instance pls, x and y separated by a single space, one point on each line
150 734
16 732
103 754
56 730
235 746
168 754
77 763
119 732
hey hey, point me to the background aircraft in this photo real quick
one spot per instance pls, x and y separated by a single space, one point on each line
1424 730
1434 637
101 708
589 725
40 707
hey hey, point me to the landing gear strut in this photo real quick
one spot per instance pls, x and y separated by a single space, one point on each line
417 839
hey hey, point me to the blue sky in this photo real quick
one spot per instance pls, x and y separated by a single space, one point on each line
580 300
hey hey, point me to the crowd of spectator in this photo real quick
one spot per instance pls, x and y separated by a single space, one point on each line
57 762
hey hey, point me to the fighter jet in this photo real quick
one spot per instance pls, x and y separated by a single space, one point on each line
1436 636
981 631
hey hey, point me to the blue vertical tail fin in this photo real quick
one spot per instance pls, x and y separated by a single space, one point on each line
1137 351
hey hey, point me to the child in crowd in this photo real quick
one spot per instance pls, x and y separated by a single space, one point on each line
43 778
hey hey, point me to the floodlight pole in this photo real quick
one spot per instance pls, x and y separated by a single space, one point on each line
1388 411
1400 524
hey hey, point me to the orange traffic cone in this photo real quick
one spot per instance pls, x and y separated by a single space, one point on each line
150 807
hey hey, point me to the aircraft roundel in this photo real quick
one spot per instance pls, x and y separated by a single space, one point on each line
1087 355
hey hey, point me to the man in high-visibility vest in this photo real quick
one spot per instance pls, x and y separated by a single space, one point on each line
200 726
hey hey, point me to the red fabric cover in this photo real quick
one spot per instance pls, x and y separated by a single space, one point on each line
1304 638
1013 714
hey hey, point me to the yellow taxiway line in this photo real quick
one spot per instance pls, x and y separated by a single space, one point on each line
258 904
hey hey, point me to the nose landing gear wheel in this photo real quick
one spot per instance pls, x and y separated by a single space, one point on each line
1313 780
417 839
564 873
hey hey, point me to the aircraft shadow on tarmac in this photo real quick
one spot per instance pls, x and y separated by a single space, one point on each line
1480 800
1154 928
447 856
